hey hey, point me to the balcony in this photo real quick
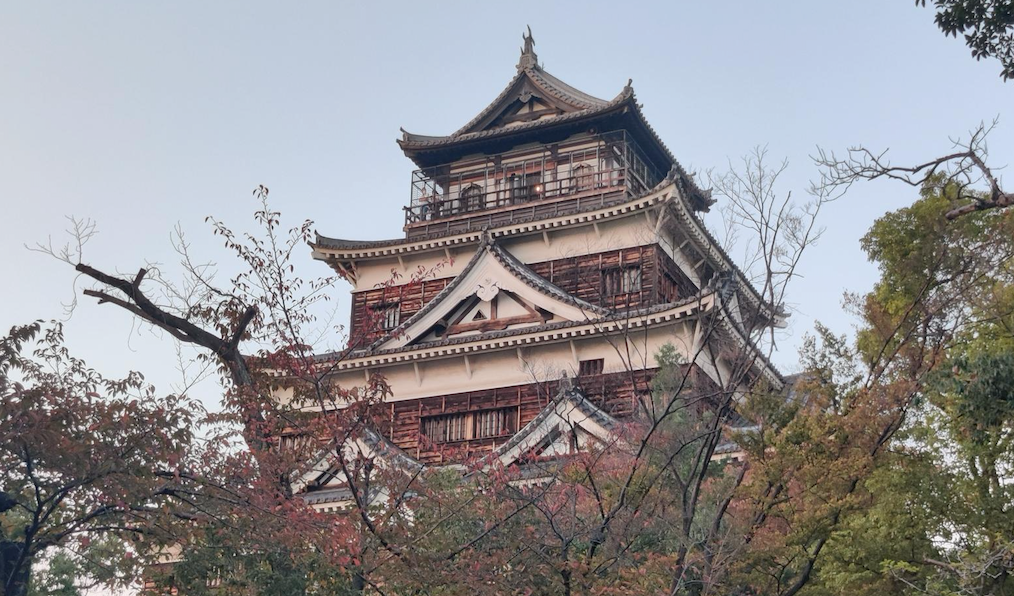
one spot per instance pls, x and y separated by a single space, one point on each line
589 172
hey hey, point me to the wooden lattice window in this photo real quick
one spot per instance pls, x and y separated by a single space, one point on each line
446 428
388 315
471 198
463 426
494 423
590 367
292 442
622 280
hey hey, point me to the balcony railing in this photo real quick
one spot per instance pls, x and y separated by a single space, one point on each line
597 166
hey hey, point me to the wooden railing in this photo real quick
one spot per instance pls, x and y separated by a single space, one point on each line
435 206
604 165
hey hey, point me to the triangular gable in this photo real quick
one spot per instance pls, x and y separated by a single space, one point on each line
570 423
505 291
528 97
531 95
325 471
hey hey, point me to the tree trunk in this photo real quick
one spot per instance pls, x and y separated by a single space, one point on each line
14 571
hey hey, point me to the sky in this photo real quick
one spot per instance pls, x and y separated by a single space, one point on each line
145 116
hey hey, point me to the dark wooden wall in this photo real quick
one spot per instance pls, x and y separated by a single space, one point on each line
616 393
411 297
582 276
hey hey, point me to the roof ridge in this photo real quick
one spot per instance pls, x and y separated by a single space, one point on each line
527 67
563 90
415 141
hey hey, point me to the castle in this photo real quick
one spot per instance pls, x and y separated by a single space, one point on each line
552 246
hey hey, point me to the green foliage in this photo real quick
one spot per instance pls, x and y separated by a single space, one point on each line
987 26
58 577
935 512
938 277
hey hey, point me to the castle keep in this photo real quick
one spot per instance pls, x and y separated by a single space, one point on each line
552 246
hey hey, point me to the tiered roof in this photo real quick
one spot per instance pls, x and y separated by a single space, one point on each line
675 201
566 108
322 482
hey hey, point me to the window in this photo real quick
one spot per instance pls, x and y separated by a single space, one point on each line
534 182
292 442
445 428
389 315
471 198
626 280
462 426
590 367
494 423
516 186
584 177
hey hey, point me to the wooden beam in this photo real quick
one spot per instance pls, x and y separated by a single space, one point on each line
545 237
520 301
659 221
468 367
418 374
468 306
493 324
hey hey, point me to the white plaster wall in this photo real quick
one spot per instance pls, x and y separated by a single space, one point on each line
501 368
625 232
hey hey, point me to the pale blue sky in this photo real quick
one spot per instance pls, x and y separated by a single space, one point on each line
142 115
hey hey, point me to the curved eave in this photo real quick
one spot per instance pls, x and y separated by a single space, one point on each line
366 441
326 248
561 410
761 363
706 243
626 102
346 252
540 427
411 143
562 91
548 84
702 197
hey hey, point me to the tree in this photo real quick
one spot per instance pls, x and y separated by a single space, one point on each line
659 509
251 532
966 170
89 463
931 367
987 25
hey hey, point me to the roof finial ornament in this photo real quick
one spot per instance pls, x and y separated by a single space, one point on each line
528 57
485 238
